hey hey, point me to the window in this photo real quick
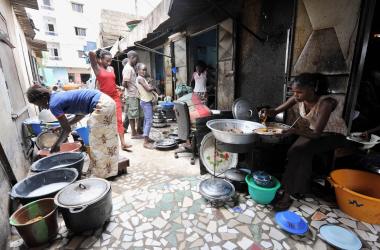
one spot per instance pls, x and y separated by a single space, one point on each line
46 4
53 52
77 7
80 31
50 27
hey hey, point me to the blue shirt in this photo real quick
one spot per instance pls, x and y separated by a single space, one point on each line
77 102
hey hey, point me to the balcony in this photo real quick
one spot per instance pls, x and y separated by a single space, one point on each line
47 7
51 33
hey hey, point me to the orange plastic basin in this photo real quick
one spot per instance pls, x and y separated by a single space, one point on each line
358 194
65 147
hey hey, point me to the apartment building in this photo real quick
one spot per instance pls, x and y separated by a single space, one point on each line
70 28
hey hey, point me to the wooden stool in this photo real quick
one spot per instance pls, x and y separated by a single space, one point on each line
122 166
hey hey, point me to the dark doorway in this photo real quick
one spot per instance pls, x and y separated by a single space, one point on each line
159 71
203 47
84 77
368 101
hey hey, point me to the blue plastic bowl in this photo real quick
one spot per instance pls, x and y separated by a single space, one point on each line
84 134
262 195
291 222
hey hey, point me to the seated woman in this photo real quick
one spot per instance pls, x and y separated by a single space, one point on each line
326 132
104 153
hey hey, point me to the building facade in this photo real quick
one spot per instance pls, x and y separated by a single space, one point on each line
69 31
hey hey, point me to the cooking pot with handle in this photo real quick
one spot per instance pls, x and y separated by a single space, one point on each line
85 204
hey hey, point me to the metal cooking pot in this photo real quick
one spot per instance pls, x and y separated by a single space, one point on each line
46 139
216 190
237 177
159 120
261 178
85 204
35 187
221 128
276 138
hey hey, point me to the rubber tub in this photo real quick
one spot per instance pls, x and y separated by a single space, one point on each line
357 194
261 195
60 160
36 222
43 185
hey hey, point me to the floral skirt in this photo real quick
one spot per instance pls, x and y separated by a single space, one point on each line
104 144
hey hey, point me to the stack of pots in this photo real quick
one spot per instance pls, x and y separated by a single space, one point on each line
159 119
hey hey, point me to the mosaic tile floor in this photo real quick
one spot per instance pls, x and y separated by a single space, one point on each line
156 206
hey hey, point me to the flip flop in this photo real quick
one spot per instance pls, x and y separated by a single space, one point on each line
135 137
148 146
126 148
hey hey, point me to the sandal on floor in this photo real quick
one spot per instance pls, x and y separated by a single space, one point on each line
148 146
283 204
126 148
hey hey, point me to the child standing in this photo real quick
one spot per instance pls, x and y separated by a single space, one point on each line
146 102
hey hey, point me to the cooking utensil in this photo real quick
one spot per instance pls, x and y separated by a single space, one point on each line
214 158
340 237
294 123
46 139
216 191
291 222
43 185
237 178
261 178
85 204
165 144
242 110
274 138
356 137
234 131
36 222
60 160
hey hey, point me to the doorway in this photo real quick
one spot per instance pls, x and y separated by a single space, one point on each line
159 70
203 48
368 100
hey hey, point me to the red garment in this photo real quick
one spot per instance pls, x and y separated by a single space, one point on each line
107 85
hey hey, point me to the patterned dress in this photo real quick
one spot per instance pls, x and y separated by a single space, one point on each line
104 152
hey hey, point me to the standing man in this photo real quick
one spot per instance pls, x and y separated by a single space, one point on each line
133 102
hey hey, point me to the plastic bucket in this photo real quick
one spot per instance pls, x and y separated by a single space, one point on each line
84 134
261 195
357 194
36 222
34 125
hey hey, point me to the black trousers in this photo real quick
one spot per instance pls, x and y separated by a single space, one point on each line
298 170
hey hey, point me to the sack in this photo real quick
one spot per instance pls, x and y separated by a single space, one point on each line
182 89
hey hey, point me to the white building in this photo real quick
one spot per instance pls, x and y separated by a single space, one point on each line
69 28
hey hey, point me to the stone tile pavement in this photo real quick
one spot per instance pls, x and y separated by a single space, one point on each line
157 206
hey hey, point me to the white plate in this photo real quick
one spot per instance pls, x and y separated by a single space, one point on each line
225 160
366 144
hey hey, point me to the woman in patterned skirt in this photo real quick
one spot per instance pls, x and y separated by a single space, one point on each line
104 153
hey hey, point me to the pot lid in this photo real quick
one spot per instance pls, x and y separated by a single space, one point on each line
83 192
242 110
261 176
235 174
216 188
340 237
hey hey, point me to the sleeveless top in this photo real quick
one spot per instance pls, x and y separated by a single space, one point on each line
335 124
200 82
145 96
107 83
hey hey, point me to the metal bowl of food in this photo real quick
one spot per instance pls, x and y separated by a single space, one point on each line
273 133
234 131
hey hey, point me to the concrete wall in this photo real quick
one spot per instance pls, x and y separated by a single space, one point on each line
15 78
260 75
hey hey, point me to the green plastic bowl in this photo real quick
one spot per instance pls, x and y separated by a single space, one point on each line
261 195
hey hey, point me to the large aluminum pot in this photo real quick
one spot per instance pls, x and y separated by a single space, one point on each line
85 204
234 131
274 138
